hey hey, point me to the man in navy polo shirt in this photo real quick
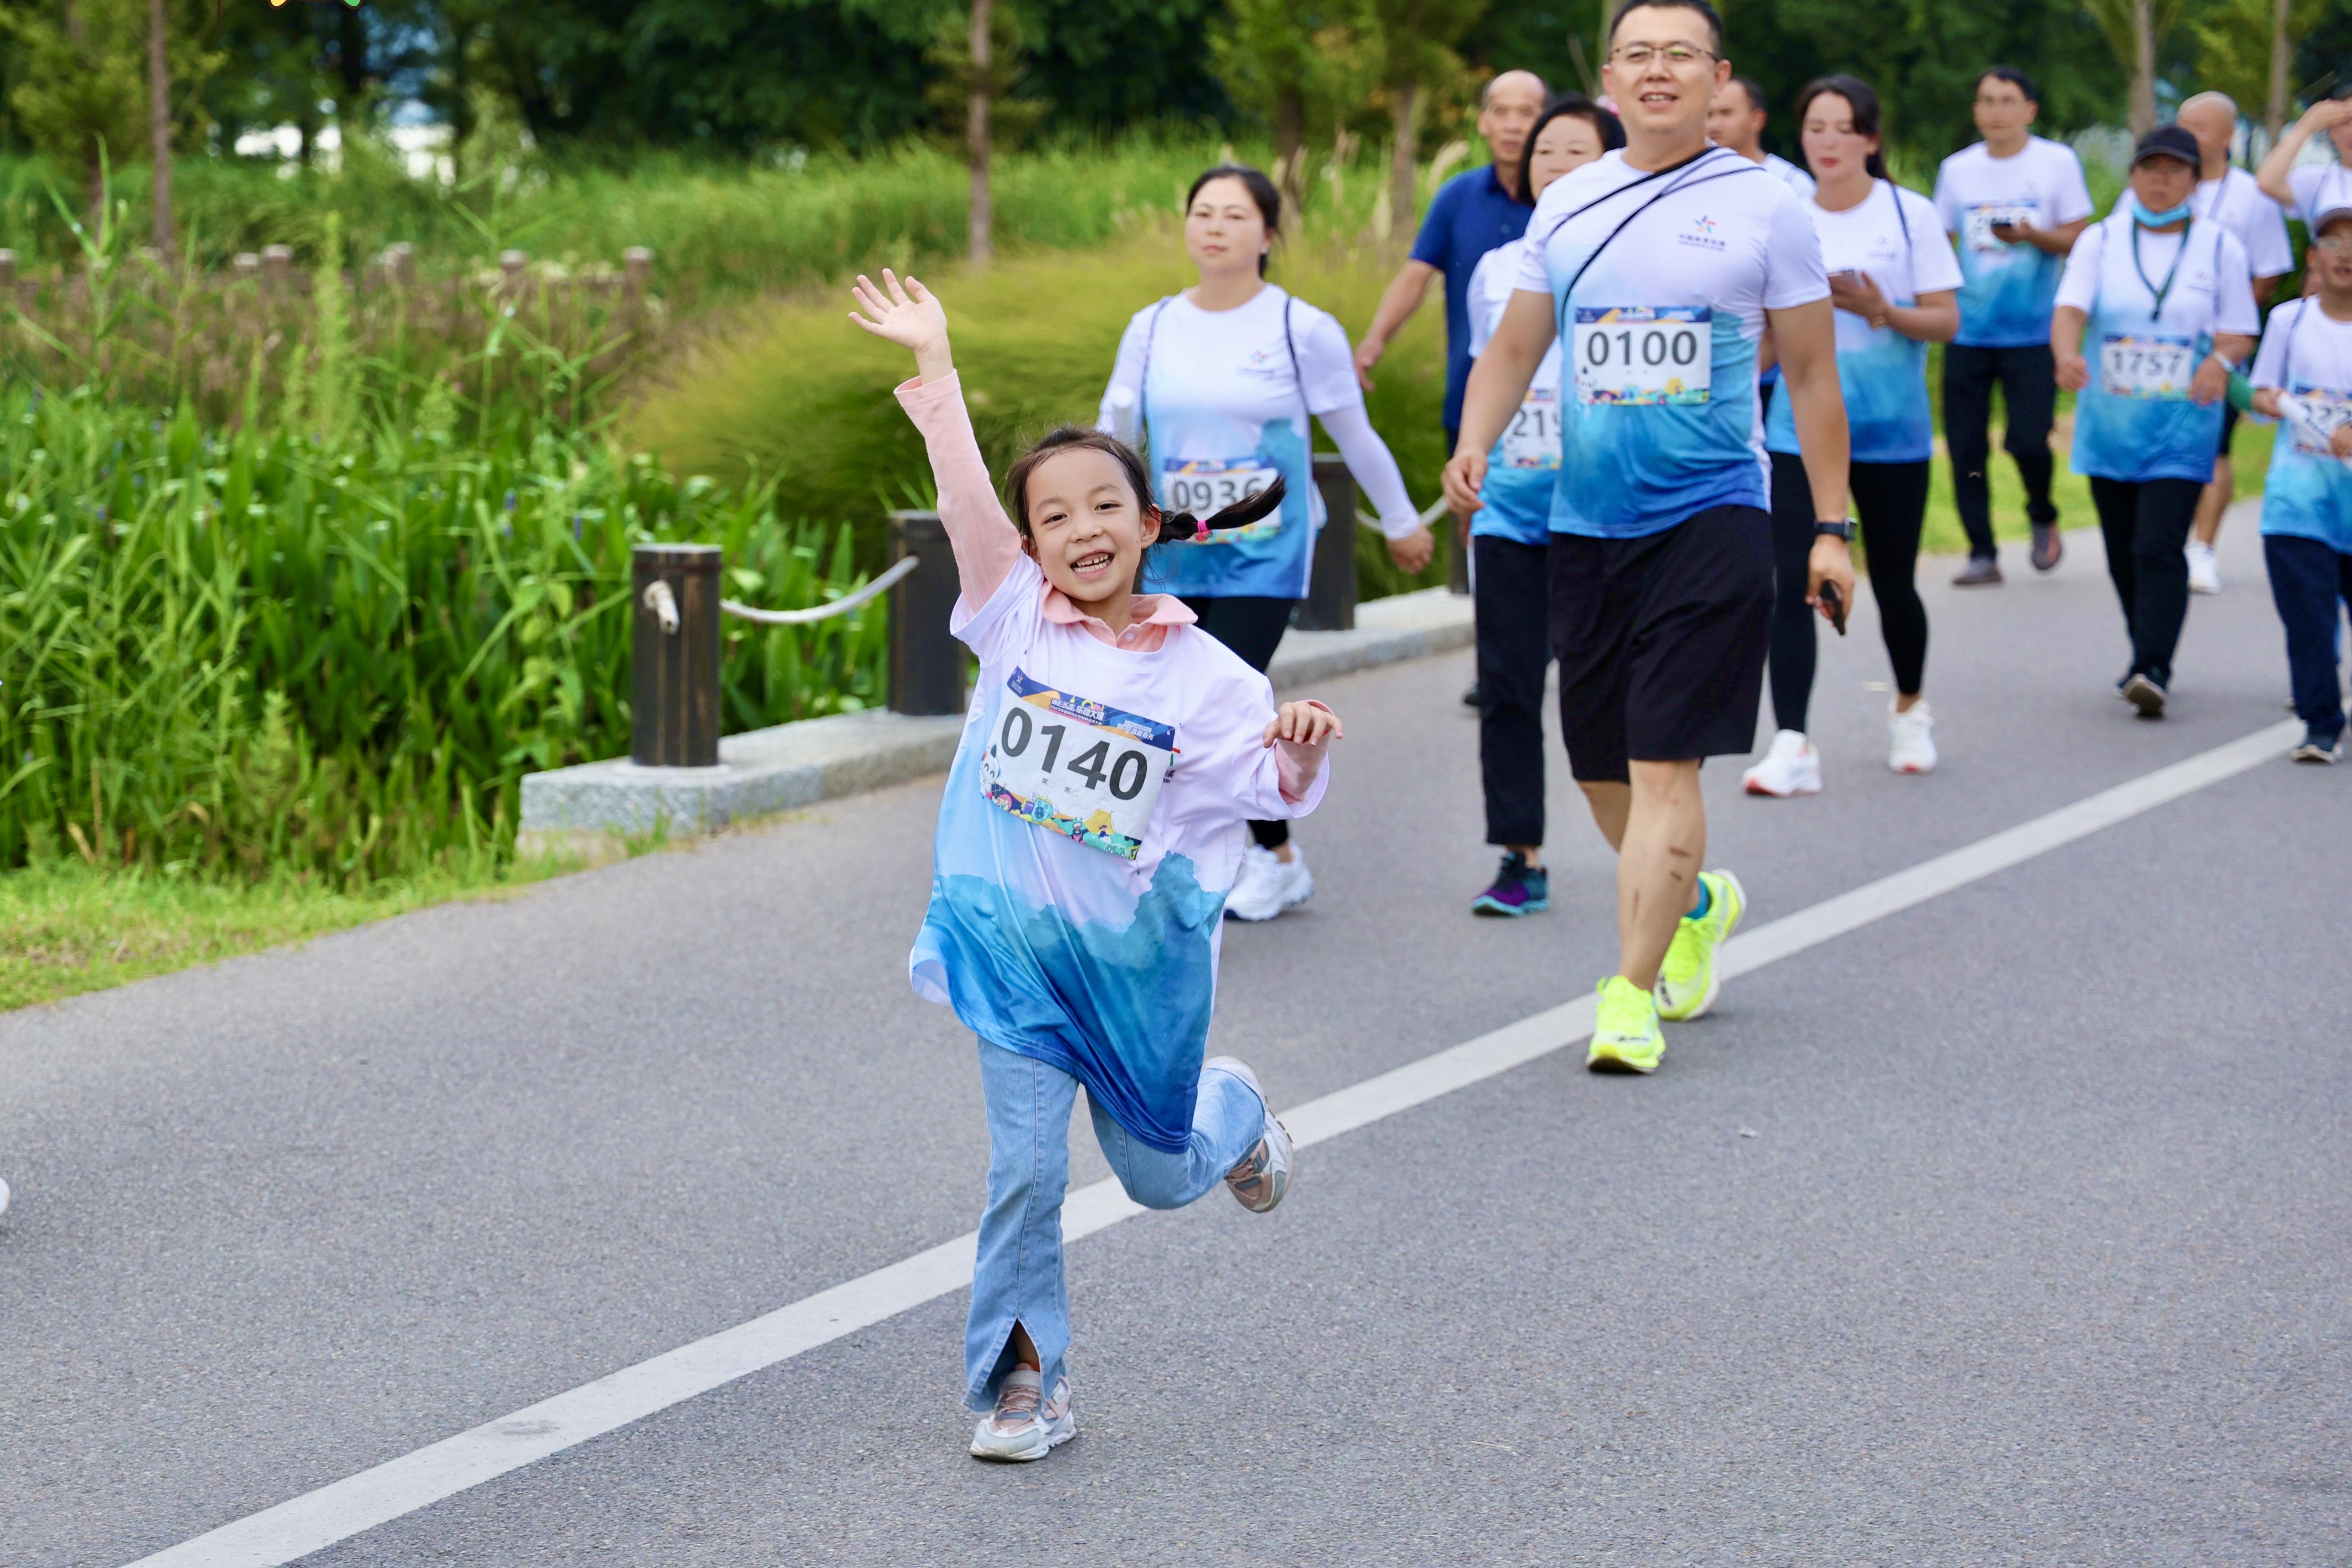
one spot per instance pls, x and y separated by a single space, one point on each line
1472 213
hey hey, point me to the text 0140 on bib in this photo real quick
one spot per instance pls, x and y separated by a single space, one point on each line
1085 770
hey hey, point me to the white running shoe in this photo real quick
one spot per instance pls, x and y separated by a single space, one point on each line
1913 747
1268 885
1263 1177
3 1197
2204 569
1025 1424
1791 767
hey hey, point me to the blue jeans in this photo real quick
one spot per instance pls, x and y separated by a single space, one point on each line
1018 1276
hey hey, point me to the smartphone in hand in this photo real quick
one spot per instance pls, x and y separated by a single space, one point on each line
1833 603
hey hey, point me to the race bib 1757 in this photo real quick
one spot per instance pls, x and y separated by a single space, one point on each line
1533 439
2148 365
1643 354
1204 486
1081 769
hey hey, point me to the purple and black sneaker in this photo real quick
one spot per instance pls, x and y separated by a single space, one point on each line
1519 890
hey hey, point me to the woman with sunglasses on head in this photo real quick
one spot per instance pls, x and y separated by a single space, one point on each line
1510 535
1895 282
1217 384
2154 310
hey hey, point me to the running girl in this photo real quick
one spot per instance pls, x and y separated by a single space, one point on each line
1217 384
1090 832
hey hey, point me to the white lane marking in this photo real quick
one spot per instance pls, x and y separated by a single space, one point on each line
344 1508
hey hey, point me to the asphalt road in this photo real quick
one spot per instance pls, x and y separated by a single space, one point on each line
2013 1228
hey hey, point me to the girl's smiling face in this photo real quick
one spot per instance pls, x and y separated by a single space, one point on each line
1086 528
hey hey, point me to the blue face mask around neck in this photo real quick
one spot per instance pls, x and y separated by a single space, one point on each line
2170 216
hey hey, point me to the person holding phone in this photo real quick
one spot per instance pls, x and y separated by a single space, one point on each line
2154 310
1893 278
2014 203
1219 385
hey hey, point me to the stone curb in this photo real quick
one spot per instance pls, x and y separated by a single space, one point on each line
589 811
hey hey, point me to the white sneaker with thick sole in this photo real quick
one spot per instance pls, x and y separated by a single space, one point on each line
2204 569
1791 767
1268 885
3 1197
1912 742
1263 1177
1025 1424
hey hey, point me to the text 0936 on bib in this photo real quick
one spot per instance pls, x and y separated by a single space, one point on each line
1204 486
1081 769
1643 354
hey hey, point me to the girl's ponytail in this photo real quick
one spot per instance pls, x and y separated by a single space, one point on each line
1182 525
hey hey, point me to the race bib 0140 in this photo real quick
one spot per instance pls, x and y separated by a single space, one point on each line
1206 486
1643 354
2137 365
1533 439
1086 771
1983 218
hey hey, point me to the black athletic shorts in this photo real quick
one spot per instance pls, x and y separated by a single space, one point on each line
1661 641
2229 426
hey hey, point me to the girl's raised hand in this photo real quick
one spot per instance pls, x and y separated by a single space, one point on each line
1304 726
909 315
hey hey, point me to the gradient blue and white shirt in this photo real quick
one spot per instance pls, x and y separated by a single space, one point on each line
2010 289
2135 421
1893 236
1225 408
1660 320
1523 467
2309 491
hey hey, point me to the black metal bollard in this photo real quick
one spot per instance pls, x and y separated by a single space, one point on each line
1330 602
926 660
673 656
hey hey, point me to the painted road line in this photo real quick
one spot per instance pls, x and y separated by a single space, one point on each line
336 1512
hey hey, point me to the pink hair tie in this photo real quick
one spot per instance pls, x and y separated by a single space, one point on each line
1200 529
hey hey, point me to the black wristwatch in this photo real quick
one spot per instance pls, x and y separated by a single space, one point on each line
1844 529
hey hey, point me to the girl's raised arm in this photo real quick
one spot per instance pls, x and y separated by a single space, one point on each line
985 542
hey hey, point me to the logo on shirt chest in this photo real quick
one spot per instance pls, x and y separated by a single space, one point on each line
1702 233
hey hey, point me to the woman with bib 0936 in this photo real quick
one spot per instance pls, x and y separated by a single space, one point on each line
1216 386
1510 538
1089 833
2154 310
1894 281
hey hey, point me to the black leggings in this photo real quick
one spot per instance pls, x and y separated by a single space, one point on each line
2146 526
1890 499
1253 629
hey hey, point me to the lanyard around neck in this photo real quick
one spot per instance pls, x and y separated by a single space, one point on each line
2177 258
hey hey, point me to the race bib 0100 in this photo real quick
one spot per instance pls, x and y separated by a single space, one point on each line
1206 486
1081 769
2326 413
1983 218
1643 354
2134 364
1533 439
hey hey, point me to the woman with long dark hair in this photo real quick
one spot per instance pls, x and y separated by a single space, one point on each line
1217 384
1894 281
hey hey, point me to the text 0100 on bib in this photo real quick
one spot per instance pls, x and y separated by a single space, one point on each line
1532 441
2147 365
1643 354
1204 486
1084 770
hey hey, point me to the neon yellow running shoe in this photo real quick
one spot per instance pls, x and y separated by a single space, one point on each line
1687 980
1625 1033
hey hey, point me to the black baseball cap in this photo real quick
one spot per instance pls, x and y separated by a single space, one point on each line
2168 142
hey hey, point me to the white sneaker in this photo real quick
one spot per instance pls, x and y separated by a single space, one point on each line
1263 1177
1025 1425
2204 569
1267 885
1913 748
3 1197
1791 767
